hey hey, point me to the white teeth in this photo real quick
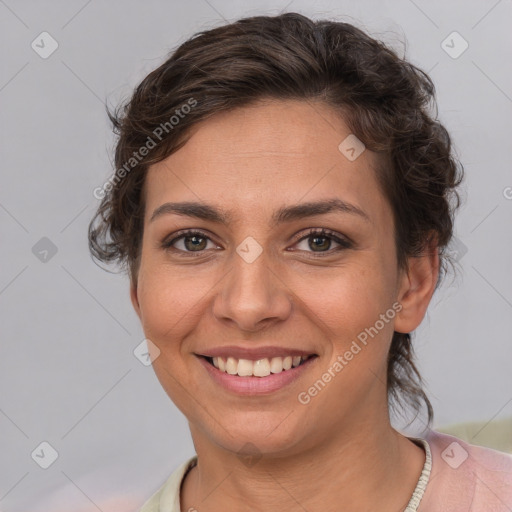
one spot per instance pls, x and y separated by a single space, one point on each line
231 365
276 365
245 368
260 368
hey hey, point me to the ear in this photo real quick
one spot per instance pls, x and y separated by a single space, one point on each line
416 287
134 298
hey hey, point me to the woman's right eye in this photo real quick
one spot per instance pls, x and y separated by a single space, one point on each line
188 242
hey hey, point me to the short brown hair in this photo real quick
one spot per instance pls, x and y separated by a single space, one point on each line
383 99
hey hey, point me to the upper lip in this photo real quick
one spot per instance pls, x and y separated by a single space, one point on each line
253 354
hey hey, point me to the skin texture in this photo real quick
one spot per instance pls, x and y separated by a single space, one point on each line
340 447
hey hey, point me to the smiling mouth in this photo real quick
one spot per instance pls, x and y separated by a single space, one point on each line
260 368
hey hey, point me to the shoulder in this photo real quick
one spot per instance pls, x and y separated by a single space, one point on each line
466 476
167 498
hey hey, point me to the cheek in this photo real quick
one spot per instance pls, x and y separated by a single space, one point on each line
355 310
169 303
347 299
349 305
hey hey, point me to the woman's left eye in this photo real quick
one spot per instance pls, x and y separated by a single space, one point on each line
321 239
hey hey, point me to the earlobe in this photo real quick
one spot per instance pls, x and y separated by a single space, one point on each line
417 286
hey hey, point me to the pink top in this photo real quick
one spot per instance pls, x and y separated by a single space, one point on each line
456 477
466 478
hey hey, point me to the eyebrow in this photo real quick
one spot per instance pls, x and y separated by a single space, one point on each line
208 212
284 214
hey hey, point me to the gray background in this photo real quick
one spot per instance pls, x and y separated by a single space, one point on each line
68 374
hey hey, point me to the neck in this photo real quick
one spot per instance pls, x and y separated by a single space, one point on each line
367 470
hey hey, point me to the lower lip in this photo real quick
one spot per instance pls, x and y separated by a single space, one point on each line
256 385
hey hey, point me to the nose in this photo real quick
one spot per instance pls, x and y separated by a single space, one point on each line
252 295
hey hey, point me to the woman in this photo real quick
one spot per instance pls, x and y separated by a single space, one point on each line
282 203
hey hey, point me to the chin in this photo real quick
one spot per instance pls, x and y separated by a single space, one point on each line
272 434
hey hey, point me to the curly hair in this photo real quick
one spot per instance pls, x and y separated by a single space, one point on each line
386 102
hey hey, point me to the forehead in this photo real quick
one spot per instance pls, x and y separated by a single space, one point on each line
273 152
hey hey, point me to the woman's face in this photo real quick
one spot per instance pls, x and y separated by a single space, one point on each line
261 280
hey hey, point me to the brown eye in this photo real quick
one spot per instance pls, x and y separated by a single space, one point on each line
189 242
320 241
194 243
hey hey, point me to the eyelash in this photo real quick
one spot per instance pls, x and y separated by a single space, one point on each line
320 233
